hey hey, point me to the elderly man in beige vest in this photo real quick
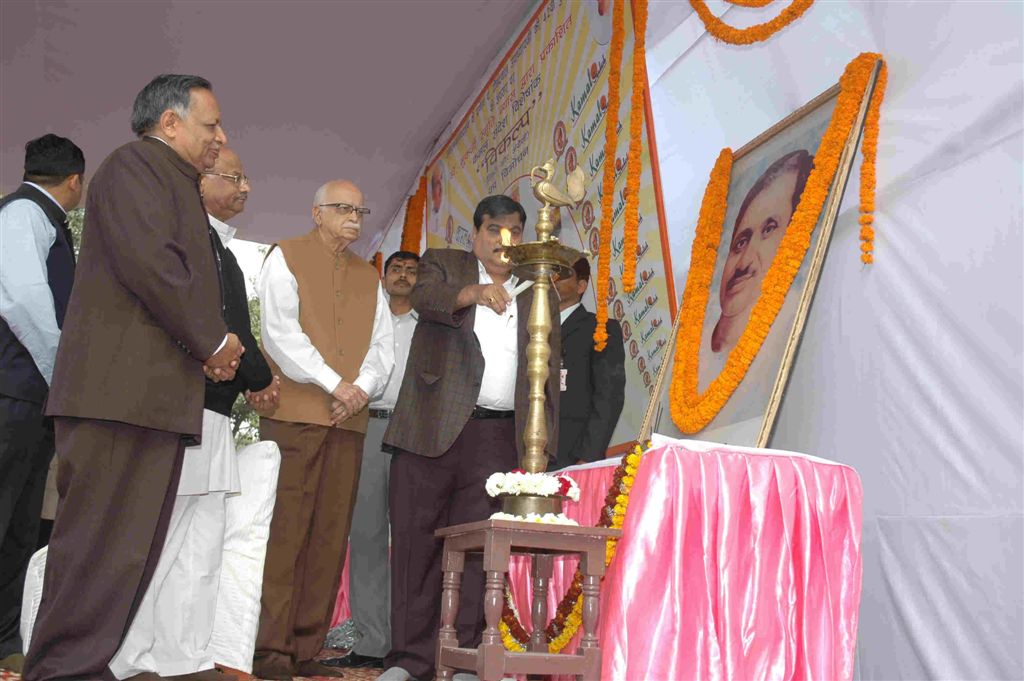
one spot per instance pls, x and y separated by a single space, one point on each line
327 330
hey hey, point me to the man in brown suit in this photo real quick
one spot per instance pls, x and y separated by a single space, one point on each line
327 329
143 325
459 417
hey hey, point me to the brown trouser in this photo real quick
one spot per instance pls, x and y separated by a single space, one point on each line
316 490
425 495
117 484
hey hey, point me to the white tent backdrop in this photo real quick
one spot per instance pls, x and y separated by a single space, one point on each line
910 370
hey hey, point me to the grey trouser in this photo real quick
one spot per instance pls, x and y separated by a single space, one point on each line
369 567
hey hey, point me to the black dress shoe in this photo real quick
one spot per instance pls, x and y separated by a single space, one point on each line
355 660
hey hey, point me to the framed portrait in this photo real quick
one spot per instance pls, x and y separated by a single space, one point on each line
768 178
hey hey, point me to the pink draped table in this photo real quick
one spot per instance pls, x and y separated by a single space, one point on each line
734 563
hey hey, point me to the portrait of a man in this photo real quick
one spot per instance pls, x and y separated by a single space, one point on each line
762 220
769 177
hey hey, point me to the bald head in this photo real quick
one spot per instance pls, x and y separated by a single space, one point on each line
337 222
332 188
227 159
223 197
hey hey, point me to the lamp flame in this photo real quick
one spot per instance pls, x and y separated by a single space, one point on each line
506 241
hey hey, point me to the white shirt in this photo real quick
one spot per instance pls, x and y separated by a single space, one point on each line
405 326
568 311
499 343
287 344
225 231
26 301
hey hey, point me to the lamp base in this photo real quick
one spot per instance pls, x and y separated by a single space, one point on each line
523 504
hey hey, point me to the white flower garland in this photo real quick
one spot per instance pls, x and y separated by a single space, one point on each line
538 484
546 519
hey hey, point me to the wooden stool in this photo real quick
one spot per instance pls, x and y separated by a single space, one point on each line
498 539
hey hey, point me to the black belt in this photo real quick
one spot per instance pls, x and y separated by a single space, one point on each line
380 413
485 413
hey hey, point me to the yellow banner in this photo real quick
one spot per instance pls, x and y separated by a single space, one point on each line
548 99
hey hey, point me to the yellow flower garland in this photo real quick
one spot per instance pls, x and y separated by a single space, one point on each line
412 227
611 143
613 515
750 3
692 411
753 34
633 164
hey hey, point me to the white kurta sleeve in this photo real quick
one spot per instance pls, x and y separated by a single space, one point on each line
26 302
380 357
283 337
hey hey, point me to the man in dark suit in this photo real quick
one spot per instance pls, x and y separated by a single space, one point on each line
460 417
143 325
37 268
594 383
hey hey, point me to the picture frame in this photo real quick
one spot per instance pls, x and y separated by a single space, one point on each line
767 172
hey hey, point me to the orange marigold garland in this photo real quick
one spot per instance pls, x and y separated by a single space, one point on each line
869 150
412 227
633 165
752 34
611 141
692 411
750 3
569 614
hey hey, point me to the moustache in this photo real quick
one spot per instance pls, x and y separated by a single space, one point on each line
739 275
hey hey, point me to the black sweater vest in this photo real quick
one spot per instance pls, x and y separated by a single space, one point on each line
19 376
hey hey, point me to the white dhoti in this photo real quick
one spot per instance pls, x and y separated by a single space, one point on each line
170 634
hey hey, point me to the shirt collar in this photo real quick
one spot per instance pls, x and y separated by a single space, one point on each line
225 231
486 278
48 195
568 311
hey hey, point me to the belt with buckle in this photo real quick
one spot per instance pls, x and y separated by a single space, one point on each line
485 413
380 413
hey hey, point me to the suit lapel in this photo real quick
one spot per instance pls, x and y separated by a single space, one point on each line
573 323
468 273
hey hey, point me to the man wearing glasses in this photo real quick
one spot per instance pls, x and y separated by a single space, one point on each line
327 330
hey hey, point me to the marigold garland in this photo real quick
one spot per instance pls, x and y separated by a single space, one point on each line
752 34
633 165
569 614
412 228
692 411
750 3
611 142
869 150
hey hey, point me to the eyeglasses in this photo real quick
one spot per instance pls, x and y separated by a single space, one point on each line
346 208
238 179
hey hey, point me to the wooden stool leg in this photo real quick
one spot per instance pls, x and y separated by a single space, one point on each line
592 570
453 563
491 653
541 569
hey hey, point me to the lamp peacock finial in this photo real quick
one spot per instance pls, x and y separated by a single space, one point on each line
546 191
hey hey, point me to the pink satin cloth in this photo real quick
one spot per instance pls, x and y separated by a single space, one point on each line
735 564
342 608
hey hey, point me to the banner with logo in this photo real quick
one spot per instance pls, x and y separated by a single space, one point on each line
548 99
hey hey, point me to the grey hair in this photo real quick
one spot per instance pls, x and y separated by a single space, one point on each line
321 194
167 91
